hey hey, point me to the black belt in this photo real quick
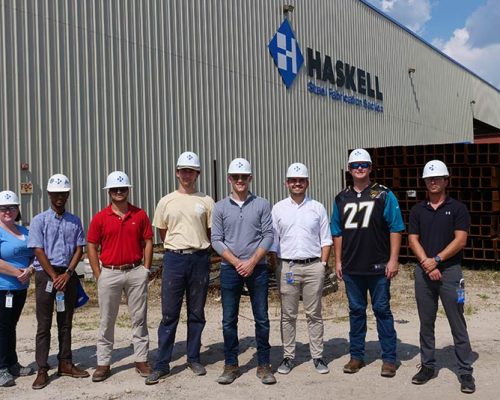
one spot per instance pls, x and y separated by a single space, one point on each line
304 261
185 251
123 267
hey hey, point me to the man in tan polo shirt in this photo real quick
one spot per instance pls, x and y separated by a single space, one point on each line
184 219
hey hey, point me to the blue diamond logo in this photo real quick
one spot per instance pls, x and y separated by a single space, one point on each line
286 53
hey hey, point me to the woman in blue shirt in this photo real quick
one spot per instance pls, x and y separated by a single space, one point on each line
15 273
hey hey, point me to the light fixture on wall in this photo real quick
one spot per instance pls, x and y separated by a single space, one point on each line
287 8
472 102
411 70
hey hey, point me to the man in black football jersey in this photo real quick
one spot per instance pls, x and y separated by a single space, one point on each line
366 227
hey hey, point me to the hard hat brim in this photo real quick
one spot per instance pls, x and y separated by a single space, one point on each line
58 190
115 186
188 167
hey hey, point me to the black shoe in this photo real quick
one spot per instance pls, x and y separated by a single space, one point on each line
467 384
197 368
155 376
423 375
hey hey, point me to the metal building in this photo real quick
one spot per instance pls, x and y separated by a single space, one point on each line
87 87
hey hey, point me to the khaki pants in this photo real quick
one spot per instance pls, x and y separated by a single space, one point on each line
111 284
309 280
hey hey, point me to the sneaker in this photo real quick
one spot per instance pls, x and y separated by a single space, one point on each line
6 379
320 366
230 373
286 365
388 370
18 370
265 374
155 376
197 368
467 384
423 375
353 366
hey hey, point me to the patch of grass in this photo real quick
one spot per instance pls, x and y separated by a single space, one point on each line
469 309
483 296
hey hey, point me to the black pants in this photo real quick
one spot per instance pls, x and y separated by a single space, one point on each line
8 323
44 311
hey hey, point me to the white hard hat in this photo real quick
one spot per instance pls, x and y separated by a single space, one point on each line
359 155
190 160
297 170
58 183
117 179
8 198
435 168
239 166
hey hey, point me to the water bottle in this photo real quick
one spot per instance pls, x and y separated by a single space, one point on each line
461 292
60 301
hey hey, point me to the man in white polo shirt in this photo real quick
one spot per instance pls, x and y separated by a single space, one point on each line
302 242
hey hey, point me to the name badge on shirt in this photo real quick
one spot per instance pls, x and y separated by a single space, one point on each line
8 300
49 287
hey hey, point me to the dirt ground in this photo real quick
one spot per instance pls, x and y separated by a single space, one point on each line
482 313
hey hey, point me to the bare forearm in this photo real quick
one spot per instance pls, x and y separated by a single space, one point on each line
7 269
45 263
337 244
395 240
148 253
93 259
325 253
416 247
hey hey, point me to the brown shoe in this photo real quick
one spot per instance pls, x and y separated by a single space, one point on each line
143 368
388 370
265 374
41 380
353 366
67 368
230 373
101 373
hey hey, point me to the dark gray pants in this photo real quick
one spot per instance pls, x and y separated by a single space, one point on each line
427 293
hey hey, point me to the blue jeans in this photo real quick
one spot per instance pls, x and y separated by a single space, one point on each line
187 273
231 285
379 286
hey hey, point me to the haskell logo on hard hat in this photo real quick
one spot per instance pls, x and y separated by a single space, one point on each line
286 53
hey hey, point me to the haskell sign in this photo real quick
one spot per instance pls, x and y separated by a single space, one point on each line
288 58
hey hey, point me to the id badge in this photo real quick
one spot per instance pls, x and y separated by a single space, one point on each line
9 300
49 287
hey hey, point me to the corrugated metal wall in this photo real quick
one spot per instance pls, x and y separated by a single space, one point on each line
87 87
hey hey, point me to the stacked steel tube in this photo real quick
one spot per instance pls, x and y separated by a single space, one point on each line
474 180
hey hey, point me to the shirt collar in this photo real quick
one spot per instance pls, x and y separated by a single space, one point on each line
53 214
109 210
292 201
249 197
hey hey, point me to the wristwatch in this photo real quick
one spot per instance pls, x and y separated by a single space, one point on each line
437 259
69 272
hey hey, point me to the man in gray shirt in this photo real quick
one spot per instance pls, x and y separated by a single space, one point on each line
242 233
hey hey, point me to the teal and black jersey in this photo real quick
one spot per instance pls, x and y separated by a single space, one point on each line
365 221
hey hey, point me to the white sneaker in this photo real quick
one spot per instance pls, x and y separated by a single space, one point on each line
286 365
320 366
6 379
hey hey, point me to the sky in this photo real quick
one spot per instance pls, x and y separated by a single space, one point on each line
466 30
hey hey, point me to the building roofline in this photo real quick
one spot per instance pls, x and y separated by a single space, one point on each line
366 3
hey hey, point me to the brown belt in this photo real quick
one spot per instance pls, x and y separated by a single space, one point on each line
123 267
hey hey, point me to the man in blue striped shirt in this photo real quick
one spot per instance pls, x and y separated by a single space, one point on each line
242 233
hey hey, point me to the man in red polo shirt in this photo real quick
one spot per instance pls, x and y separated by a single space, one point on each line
124 234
